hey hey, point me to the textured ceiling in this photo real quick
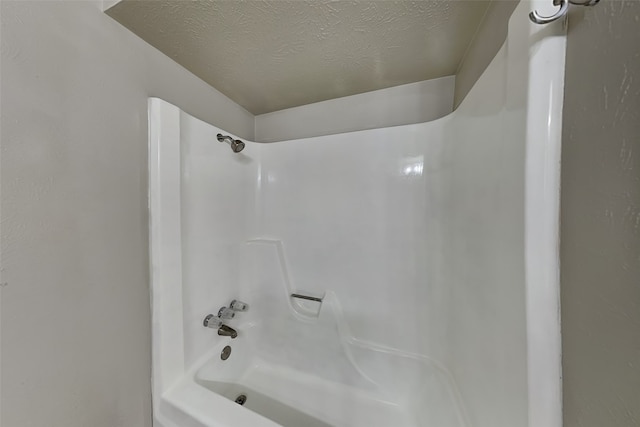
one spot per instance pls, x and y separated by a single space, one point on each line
271 55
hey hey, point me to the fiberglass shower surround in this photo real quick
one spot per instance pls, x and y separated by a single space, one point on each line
408 281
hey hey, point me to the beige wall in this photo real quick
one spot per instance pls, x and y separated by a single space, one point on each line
75 302
488 40
600 234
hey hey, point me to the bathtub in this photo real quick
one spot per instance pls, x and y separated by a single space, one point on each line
430 251
292 398
283 386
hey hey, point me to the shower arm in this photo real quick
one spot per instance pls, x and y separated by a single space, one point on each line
235 144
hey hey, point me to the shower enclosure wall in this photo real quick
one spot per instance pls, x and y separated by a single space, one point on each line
430 250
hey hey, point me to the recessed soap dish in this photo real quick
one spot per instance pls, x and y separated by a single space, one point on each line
307 303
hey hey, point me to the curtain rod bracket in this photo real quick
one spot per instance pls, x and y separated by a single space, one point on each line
562 11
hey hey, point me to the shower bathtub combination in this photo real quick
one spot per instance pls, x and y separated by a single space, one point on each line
394 277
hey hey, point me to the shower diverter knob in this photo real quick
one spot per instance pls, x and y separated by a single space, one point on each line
226 313
237 305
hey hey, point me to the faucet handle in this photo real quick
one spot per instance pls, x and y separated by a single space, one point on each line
212 321
226 313
237 305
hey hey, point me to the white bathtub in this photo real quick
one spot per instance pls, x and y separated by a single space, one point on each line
287 385
433 247
292 398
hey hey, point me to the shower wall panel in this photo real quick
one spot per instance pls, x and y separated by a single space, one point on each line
432 246
419 232
217 193
353 215
483 249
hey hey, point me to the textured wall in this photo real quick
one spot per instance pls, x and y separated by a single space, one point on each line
400 105
488 39
75 298
271 55
600 250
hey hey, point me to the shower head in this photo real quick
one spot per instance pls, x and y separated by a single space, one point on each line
236 145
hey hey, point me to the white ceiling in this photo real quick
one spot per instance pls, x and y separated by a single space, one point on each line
271 55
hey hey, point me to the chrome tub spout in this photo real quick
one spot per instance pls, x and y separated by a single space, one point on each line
227 331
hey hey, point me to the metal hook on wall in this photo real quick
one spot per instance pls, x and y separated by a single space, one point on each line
564 8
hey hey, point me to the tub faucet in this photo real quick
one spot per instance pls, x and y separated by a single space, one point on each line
212 321
227 331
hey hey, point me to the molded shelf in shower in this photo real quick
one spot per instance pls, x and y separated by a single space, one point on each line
307 303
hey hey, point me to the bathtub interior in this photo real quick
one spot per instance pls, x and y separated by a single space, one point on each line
317 366
415 238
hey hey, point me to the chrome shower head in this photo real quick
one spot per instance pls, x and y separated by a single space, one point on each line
236 145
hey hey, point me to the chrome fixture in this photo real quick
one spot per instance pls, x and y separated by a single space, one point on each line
307 297
237 305
226 331
214 322
236 145
564 8
226 313
226 352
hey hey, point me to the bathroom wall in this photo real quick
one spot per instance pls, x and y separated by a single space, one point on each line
481 235
400 105
75 297
489 37
217 210
600 234
352 214
444 277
